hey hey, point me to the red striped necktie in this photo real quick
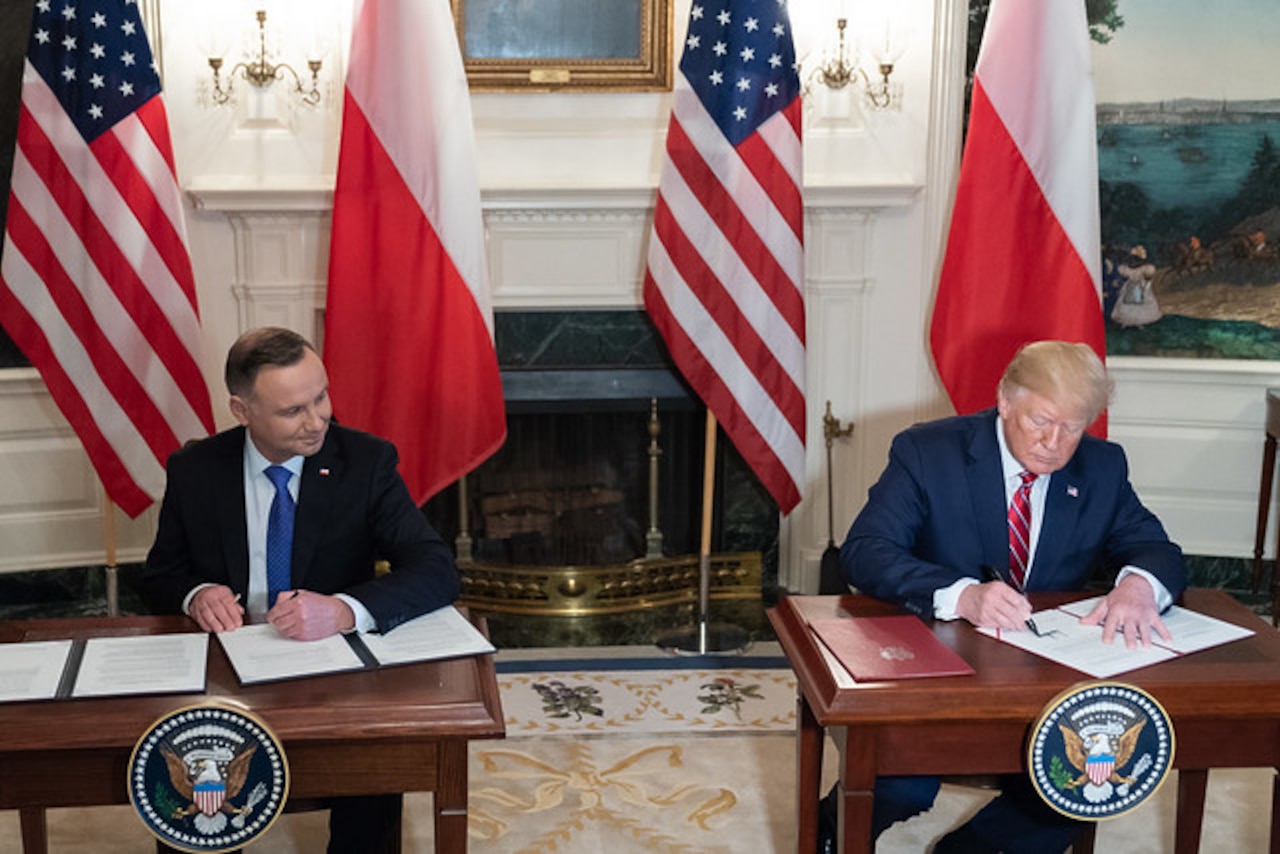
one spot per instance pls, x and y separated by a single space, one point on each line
1020 530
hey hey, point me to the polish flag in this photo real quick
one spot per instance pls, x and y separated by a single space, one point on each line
1023 259
408 320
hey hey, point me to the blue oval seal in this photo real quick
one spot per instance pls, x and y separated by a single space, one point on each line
1100 749
208 778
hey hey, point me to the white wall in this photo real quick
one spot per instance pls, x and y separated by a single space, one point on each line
568 183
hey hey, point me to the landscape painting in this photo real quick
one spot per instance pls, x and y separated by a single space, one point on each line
1188 128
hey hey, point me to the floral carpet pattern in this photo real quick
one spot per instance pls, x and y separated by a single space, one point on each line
648 701
598 760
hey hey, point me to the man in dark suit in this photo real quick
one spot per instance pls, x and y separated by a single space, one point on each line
209 558
934 537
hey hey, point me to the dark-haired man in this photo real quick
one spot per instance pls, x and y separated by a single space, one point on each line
350 508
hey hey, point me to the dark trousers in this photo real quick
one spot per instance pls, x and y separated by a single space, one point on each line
1017 821
368 824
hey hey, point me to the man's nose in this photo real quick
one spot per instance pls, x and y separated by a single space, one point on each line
1051 436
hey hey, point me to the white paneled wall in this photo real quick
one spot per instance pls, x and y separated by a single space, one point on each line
568 184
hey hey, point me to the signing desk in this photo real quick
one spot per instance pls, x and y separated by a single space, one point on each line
1224 702
397 729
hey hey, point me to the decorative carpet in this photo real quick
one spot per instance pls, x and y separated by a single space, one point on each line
680 760
644 702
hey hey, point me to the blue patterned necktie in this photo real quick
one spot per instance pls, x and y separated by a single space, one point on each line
279 534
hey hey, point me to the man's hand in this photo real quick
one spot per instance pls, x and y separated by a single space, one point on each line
1130 609
303 615
994 605
216 609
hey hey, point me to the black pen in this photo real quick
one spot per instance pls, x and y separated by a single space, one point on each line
990 573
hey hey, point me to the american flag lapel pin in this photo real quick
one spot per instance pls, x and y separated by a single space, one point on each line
1071 490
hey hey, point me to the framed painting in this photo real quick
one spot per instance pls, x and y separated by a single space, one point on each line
565 45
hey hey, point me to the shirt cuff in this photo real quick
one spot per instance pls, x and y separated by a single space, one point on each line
1163 598
946 599
364 620
191 594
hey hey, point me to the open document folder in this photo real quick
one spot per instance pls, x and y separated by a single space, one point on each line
1063 639
103 667
261 654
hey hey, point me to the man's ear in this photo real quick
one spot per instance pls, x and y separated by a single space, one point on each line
240 409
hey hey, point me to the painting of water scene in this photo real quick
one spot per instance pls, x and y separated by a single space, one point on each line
1188 128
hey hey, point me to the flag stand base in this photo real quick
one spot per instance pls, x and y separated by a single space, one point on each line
705 639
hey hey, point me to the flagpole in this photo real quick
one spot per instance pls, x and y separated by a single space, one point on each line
109 545
706 637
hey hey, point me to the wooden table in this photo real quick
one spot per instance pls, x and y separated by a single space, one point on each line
1224 702
1264 504
397 729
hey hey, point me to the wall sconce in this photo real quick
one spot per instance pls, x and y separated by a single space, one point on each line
840 68
261 73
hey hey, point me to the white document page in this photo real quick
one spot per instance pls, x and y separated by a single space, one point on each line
32 671
259 653
443 633
143 664
1067 642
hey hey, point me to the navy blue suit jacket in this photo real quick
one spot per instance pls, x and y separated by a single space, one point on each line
938 513
353 509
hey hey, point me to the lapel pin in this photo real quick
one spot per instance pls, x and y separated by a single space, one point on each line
324 472
1071 490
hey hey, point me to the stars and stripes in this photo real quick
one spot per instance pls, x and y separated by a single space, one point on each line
95 282
724 283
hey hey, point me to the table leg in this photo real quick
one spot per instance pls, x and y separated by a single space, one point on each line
809 738
35 833
1191 789
857 785
1275 814
450 797
1264 507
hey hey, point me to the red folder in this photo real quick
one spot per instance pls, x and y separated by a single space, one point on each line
878 648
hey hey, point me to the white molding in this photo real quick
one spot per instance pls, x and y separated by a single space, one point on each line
234 195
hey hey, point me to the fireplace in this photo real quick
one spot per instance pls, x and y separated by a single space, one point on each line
593 504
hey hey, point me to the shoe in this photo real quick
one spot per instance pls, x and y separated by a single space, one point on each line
828 819
964 840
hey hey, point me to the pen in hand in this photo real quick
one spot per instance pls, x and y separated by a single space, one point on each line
990 573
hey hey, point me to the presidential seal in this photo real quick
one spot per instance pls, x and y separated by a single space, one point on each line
1100 749
208 778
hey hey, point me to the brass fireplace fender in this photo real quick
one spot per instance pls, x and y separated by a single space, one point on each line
588 590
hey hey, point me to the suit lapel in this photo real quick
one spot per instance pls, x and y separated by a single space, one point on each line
1063 504
316 498
986 491
226 482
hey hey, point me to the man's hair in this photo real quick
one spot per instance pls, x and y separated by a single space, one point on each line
258 348
1064 372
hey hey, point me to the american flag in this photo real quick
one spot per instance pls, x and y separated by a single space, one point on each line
95 280
725 278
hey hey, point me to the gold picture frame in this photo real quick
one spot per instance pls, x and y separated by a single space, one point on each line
565 45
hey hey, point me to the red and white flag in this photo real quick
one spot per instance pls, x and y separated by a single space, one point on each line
408 321
1023 259
95 280
725 277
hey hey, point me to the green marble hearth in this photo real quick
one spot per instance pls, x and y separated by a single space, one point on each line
82 592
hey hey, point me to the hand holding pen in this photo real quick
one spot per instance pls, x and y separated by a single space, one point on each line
990 573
